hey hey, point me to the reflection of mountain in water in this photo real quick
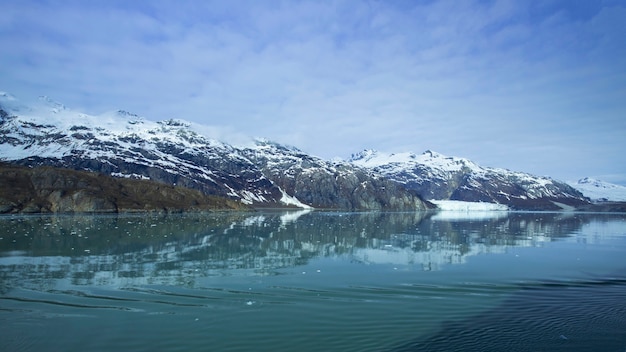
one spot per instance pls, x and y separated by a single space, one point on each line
124 250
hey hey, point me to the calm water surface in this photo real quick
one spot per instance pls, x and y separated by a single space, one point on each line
314 281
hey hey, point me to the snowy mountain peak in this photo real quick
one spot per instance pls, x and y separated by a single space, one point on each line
267 144
364 155
398 161
124 113
438 177
44 110
433 154
601 191
445 159
4 96
373 158
54 106
596 183
175 123
8 102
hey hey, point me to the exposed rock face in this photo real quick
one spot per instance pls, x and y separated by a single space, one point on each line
438 177
324 184
54 190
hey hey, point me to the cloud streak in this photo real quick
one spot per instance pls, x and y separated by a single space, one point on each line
529 86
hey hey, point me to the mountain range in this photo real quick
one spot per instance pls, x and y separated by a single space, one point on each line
437 177
266 174
121 144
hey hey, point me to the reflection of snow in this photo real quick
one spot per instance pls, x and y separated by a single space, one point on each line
253 221
456 205
598 232
292 216
132 269
438 255
470 215
207 253
458 210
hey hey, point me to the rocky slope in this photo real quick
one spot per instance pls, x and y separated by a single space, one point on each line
55 190
325 184
171 152
438 177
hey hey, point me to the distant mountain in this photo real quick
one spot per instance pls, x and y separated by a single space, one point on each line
172 152
600 191
438 177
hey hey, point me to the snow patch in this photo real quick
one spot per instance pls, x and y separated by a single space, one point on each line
290 200
248 197
373 159
290 217
132 176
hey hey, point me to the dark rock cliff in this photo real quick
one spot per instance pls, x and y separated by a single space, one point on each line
324 184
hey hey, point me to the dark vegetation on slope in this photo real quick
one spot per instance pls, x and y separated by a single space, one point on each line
56 190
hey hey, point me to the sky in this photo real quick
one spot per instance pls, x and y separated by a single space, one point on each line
528 85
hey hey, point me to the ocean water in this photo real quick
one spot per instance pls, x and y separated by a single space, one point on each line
314 281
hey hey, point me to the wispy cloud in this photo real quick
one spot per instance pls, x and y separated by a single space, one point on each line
494 81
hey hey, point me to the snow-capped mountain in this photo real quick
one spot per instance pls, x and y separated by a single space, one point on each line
122 144
438 177
325 184
600 191
125 145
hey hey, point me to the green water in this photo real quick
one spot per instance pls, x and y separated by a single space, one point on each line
314 281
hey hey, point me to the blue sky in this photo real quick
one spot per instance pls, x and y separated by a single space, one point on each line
535 86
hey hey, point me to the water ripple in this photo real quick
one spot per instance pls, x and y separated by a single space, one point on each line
578 315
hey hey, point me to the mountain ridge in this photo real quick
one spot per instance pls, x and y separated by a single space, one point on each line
123 144
600 191
265 174
438 177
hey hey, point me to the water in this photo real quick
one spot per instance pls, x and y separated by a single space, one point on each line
314 281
